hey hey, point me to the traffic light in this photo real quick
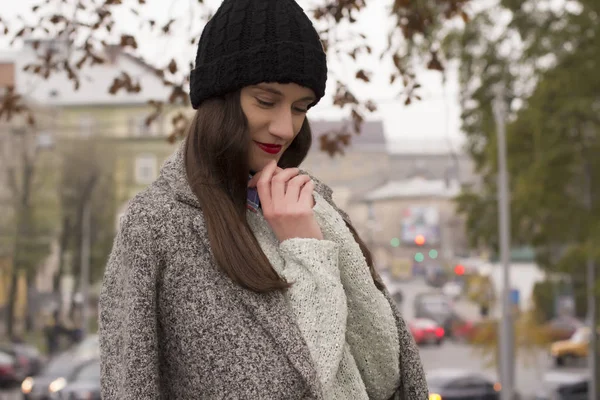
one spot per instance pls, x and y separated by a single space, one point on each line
459 270
420 240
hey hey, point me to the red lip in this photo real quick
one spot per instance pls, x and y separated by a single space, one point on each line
269 148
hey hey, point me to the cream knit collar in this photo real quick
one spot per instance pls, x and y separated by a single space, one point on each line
362 315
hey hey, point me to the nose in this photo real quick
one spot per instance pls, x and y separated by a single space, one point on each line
282 124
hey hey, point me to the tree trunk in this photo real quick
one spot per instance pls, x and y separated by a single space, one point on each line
63 244
23 193
14 276
29 311
12 300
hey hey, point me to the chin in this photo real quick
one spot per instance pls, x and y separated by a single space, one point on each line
259 165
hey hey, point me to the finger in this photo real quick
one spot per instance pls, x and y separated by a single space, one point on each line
278 183
294 186
306 194
254 180
263 185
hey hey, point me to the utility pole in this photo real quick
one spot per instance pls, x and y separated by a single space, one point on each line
507 362
85 264
591 299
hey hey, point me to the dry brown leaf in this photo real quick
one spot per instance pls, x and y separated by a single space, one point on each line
363 75
172 66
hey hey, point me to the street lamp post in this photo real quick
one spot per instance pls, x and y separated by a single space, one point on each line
85 266
591 299
506 331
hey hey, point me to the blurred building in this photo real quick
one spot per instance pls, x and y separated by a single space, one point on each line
119 119
396 191
364 165
104 135
431 161
414 222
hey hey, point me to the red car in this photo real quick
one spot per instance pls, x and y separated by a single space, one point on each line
426 331
463 330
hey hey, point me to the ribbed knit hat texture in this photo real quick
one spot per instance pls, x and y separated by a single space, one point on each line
248 42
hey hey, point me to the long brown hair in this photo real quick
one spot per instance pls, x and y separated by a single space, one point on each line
217 168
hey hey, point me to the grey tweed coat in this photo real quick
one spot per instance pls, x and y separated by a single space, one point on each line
173 326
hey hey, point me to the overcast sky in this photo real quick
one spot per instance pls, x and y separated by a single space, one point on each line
428 124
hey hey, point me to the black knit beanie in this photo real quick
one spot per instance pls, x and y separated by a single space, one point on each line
248 42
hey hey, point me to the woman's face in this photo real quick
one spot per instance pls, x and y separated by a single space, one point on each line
275 114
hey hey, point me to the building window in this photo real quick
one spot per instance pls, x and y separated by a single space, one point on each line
145 169
86 125
138 127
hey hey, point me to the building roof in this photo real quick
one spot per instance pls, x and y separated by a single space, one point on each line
371 137
415 187
439 146
8 56
95 80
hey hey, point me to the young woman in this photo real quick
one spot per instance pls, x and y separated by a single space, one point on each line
234 275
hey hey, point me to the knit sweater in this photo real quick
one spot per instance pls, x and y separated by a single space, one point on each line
345 320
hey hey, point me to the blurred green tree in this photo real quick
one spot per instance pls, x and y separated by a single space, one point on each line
547 58
28 227
546 55
86 178
530 336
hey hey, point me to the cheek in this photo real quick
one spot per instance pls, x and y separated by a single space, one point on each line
298 121
257 124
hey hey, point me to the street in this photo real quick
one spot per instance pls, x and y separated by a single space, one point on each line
528 374
12 395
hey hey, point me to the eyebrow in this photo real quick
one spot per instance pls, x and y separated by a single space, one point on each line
277 92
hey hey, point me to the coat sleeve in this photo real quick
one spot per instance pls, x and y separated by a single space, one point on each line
413 385
128 320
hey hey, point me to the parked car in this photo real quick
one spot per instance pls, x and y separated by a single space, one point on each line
453 289
426 331
11 371
459 384
462 329
29 357
84 384
54 376
435 306
559 385
562 328
435 276
572 349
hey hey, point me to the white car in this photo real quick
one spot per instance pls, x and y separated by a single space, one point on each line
453 290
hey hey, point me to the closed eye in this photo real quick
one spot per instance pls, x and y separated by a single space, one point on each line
264 103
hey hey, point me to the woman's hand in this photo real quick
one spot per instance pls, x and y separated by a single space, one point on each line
286 198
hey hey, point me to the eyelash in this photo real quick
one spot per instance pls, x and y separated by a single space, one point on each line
268 104
265 103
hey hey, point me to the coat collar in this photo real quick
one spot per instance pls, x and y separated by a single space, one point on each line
270 310
174 174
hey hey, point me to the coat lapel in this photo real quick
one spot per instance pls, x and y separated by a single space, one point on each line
271 311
